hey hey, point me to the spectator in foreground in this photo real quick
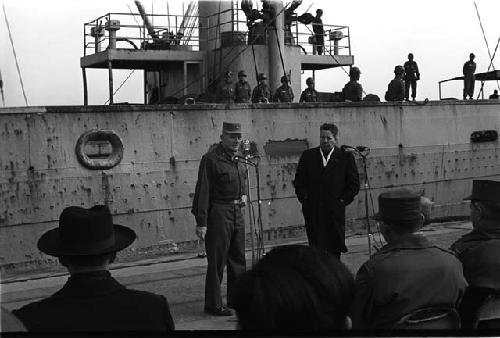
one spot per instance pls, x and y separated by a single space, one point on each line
295 288
408 273
479 250
86 243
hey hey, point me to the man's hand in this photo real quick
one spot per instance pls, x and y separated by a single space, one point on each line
201 232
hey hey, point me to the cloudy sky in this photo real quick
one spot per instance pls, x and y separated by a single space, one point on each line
48 38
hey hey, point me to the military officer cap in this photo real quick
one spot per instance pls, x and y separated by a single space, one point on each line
485 191
400 206
262 76
231 128
242 73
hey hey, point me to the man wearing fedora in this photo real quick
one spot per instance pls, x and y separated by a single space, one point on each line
220 195
86 243
408 273
479 250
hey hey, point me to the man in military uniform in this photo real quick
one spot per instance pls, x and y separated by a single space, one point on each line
353 91
469 71
396 89
412 75
479 250
242 90
284 93
218 209
309 94
408 273
225 89
319 33
261 93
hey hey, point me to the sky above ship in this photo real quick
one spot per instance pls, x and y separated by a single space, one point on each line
48 39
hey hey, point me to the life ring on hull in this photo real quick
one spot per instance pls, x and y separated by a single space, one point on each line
99 163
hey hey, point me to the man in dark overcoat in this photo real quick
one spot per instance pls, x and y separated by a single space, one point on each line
326 182
408 273
479 250
86 243
220 195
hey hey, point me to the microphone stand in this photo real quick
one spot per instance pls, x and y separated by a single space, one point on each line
251 216
363 155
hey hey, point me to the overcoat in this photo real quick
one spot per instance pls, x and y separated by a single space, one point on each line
324 193
95 301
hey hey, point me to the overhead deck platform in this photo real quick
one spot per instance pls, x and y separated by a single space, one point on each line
318 62
138 59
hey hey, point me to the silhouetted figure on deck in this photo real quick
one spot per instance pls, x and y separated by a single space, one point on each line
309 94
396 88
469 71
319 33
261 93
225 89
353 91
284 93
412 75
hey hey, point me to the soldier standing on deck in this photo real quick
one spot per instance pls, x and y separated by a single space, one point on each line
217 206
412 75
309 94
225 89
242 90
469 78
353 91
284 93
261 93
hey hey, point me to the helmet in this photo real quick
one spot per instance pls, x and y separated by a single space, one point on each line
261 76
242 73
399 70
354 71
309 80
284 79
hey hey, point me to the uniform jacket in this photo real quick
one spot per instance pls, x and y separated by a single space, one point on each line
283 94
242 92
353 91
219 179
395 90
411 71
261 93
225 92
479 253
321 192
95 301
309 95
469 69
402 277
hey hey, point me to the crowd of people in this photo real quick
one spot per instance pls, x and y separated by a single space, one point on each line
408 283
405 78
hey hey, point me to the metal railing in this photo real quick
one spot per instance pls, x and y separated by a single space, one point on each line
183 32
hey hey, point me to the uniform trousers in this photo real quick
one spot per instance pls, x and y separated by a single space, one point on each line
225 245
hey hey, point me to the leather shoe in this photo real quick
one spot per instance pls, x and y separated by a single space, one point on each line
222 311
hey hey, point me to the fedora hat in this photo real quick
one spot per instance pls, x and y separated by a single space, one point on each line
485 191
399 206
85 232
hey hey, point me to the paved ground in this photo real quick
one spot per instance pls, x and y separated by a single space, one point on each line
181 279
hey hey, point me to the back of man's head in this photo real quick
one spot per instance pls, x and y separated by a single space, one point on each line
295 288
